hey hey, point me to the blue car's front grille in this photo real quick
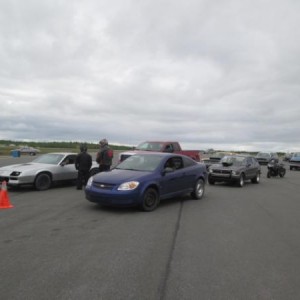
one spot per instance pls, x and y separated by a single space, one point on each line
103 186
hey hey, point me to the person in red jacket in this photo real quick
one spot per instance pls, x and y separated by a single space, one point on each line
104 156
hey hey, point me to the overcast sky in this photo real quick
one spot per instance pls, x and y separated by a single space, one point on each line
207 73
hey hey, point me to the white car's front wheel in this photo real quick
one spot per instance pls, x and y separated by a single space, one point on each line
42 182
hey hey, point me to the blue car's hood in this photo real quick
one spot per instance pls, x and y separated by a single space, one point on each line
117 176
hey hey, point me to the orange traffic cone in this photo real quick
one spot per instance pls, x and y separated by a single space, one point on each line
4 199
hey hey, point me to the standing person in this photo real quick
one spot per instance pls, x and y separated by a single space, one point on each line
83 164
104 156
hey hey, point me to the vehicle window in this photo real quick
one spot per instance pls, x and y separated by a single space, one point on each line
154 146
169 148
249 161
52 159
188 162
169 164
178 164
140 162
70 160
176 147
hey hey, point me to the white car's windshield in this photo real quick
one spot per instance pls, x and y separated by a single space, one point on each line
52 159
139 162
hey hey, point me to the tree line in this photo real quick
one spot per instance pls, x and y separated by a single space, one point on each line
65 145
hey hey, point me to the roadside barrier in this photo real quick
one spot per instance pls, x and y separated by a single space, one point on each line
4 198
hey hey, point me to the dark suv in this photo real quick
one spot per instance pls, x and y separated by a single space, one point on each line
264 158
235 169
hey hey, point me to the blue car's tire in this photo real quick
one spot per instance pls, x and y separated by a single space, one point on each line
198 189
150 200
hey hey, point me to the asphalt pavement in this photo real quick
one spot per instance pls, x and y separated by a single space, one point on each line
235 243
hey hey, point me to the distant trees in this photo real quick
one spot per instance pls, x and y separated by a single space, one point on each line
64 145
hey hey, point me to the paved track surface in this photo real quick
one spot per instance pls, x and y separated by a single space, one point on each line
235 243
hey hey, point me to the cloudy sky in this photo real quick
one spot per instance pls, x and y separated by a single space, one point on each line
207 73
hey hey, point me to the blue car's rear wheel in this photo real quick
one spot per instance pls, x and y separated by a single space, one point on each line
150 200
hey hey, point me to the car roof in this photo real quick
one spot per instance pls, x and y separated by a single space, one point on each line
166 154
61 153
240 155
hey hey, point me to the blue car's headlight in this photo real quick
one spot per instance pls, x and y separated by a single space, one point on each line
128 186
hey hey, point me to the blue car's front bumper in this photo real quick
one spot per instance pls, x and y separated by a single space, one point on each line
112 197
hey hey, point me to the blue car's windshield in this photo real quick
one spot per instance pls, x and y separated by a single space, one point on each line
140 162
52 159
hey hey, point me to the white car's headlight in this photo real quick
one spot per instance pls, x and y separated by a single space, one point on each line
128 186
90 182
15 173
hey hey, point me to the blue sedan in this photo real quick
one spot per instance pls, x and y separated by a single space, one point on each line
144 179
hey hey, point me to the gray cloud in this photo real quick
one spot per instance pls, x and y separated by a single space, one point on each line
206 73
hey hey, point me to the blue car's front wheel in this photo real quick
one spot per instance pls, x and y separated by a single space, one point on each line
150 200
198 189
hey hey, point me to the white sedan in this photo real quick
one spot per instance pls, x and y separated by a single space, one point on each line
26 150
43 171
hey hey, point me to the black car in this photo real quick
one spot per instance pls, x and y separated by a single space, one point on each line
264 158
235 169
213 159
295 161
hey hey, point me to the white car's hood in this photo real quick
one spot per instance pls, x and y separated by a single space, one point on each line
23 167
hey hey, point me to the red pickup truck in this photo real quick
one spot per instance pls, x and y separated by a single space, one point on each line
172 147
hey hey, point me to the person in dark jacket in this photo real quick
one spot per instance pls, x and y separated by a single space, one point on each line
83 164
104 156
